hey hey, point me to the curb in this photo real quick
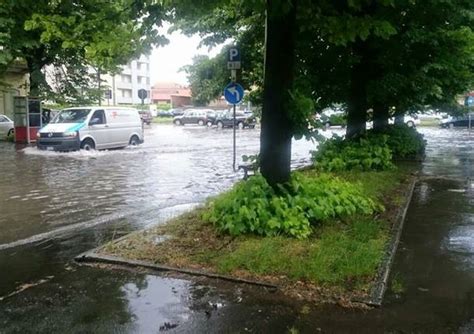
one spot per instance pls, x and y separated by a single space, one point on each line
378 289
376 293
92 257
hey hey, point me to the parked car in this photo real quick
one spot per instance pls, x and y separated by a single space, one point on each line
6 127
164 113
192 116
226 120
91 128
431 115
177 111
146 116
410 121
212 116
459 121
331 117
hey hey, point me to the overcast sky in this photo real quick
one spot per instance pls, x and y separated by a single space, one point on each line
166 61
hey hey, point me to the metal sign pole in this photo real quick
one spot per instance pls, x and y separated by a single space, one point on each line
235 149
234 92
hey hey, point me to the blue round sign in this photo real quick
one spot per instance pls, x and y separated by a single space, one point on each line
233 93
469 101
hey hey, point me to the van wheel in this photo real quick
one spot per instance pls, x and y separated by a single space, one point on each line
209 124
10 132
134 141
88 145
201 122
410 124
240 125
177 122
220 125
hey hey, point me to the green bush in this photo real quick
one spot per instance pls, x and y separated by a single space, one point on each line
405 142
364 153
255 207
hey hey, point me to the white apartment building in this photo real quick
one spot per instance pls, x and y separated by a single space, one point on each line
125 85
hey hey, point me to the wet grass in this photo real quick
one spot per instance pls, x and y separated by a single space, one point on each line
343 255
162 120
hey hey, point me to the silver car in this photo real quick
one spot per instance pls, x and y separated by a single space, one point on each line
6 126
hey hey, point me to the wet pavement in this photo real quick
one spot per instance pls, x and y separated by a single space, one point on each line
54 206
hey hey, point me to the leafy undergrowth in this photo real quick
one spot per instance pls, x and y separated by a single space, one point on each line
375 150
341 255
253 207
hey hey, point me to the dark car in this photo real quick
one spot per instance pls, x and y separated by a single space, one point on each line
164 113
459 121
146 116
213 115
226 120
191 116
177 111
332 118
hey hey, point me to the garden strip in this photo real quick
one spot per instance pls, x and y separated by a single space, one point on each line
343 261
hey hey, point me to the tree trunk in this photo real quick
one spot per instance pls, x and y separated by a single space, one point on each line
36 77
381 116
275 137
357 104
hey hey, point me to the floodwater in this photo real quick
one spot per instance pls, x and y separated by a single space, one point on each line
54 206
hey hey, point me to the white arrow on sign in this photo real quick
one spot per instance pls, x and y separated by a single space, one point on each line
234 92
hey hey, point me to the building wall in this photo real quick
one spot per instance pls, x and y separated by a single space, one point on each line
125 85
14 83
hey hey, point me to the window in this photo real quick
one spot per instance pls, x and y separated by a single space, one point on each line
126 78
140 80
127 93
139 66
3 119
148 68
147 80
100 116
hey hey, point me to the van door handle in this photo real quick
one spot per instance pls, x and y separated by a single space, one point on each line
106 126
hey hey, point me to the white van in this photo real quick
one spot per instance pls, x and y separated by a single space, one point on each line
91 128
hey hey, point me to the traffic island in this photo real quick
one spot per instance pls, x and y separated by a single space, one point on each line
344 260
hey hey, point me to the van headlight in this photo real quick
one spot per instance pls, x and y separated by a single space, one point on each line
70 134
38 134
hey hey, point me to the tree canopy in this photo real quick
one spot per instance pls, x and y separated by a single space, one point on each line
74 35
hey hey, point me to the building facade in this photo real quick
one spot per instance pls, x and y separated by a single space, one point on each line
171 93
124 86
14 82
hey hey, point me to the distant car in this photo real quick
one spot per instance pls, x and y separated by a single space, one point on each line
146 116
410 121
212 116
430 115
6 127
226 120
177 111
164 113
459 121
191 116
330 117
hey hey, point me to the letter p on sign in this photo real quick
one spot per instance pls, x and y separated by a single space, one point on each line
234 54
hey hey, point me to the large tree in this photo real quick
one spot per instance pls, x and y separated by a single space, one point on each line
367 54
73 35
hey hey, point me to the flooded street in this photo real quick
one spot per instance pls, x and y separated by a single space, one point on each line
54 206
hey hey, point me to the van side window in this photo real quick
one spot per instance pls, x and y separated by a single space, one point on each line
100 114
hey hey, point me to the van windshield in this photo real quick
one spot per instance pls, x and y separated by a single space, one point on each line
71 116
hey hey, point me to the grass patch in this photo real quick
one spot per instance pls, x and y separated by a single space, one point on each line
429 123
341 256
162 120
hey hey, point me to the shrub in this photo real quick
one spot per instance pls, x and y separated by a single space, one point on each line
364 153
255 207
405 142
